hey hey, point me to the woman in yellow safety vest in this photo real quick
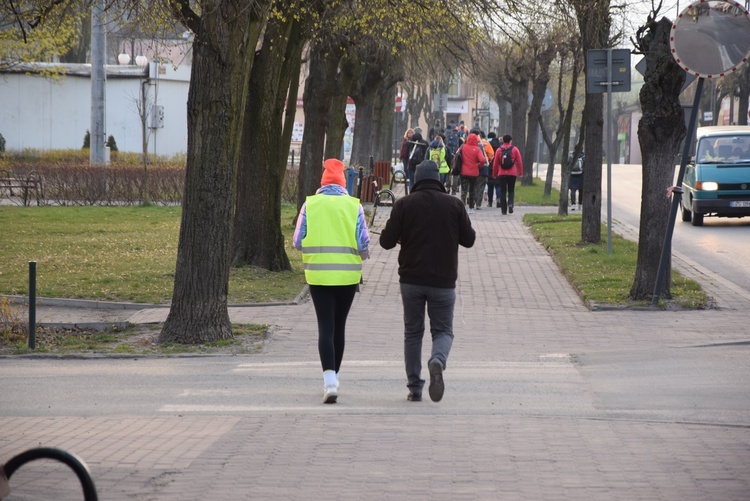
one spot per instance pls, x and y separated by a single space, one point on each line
332 234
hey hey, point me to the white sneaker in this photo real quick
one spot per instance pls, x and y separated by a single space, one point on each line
471 211
330 394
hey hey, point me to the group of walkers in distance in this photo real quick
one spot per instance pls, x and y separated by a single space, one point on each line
469 163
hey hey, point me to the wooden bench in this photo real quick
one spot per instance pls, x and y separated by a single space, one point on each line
15 186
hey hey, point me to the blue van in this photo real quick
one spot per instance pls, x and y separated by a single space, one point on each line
717 181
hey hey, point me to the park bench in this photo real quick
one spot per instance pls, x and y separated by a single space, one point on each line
21 186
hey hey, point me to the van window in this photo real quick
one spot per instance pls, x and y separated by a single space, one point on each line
723 149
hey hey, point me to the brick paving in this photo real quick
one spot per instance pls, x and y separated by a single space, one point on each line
520 419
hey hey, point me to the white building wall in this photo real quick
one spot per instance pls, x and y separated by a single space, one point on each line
42 113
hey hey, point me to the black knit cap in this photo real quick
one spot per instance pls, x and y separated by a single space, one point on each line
427 170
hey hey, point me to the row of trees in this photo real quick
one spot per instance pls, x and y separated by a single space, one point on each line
247 59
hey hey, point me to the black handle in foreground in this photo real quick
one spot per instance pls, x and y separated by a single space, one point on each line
75 463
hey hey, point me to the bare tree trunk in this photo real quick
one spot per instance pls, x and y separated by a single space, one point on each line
660 131
562 208
218 88
258 240
319 91
337 122
591 227
384 109
538 89
519 104
594 21
365 93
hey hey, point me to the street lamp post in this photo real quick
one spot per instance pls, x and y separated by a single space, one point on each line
98 85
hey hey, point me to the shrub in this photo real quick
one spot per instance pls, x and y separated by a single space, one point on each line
112 143
87 140
2 144
74 182
289 187
13 327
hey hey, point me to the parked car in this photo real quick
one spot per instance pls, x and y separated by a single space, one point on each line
717 181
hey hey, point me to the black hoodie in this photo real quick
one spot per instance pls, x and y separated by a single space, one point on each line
430 225
419 155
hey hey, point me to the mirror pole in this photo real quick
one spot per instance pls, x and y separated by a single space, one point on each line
666 250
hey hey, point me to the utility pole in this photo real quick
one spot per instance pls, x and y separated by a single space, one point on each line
98 84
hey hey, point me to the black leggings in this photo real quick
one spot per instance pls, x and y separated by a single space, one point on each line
332 304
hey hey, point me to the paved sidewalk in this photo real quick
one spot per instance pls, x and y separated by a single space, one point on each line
521 418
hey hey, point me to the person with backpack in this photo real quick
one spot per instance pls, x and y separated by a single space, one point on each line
472 158
507 166
493 184
438 154
453 142
417 153
575 182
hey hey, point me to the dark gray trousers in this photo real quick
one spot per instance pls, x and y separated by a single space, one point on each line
440 303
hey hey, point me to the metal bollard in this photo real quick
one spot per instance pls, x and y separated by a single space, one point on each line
32 304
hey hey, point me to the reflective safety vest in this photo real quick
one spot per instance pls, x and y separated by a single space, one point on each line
329 250
437 155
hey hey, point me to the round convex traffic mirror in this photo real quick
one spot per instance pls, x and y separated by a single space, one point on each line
711 38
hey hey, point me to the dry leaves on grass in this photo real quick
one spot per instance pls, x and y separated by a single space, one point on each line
138 340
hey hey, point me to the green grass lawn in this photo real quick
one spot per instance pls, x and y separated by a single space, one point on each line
534 194
118 254
601 277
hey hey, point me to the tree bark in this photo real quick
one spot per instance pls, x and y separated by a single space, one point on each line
258 240
538 90
594 21
519 104
218 88
337 123
367 121
319 90
660 132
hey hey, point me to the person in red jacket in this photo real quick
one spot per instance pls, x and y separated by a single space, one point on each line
507 174
473 158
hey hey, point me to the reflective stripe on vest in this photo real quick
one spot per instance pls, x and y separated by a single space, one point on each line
329 250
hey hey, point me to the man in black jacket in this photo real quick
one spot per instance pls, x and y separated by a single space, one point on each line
430 225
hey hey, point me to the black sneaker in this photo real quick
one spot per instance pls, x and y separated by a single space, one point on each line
413 396
510 209
437 387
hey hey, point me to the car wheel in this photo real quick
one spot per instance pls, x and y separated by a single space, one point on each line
697 219
686 214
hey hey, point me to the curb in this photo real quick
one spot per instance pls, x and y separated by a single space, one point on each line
113 305
97 326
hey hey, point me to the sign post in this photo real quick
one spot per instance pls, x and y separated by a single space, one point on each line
608 70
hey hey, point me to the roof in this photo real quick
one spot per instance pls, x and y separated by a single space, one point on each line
722 130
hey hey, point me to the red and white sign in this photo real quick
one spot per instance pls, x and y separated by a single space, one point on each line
399 104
